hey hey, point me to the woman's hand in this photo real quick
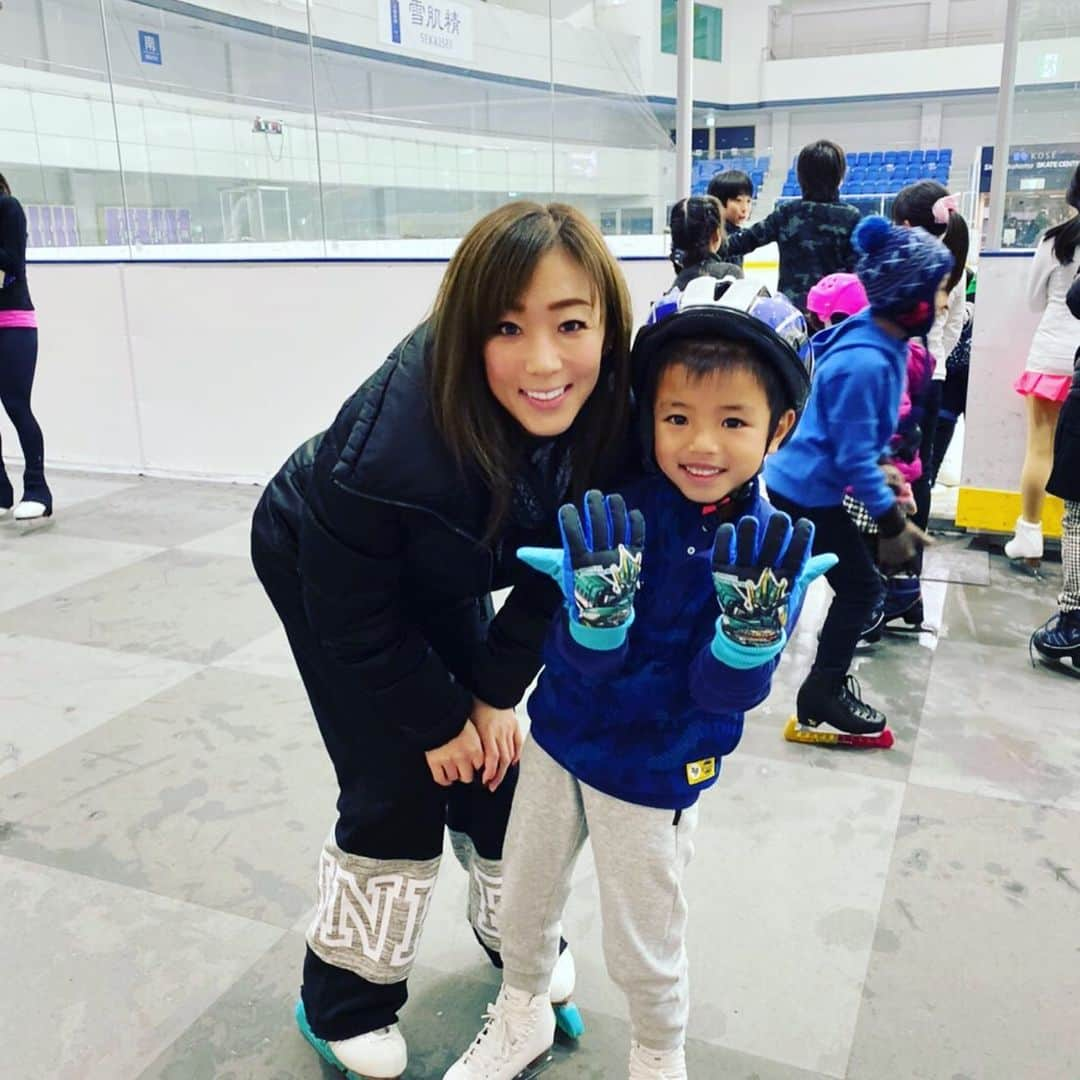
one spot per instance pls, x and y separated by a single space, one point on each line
458 759
500 735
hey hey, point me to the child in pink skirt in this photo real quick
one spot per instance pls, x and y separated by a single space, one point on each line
1046 378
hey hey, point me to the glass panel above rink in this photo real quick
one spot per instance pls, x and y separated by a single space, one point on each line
333 128
1044 142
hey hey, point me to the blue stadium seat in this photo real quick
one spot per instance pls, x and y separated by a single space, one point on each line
945 155
757 178
852 159
864 157
903 157
876 157
916 157
868 187
895 186
791 190
915 170
890 157
930 155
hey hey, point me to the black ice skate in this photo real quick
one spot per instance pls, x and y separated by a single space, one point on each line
903 603
831 712
1058 639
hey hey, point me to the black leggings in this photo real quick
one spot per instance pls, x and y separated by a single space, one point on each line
18 360
854 580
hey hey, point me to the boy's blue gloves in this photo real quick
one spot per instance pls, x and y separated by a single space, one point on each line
760 584
597 568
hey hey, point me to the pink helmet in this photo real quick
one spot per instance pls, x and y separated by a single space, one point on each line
841 294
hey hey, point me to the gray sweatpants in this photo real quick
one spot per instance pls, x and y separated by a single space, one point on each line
641 855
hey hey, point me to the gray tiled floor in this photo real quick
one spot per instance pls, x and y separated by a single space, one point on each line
163 793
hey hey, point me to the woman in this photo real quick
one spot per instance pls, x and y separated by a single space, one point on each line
1046 378
18 360
379 542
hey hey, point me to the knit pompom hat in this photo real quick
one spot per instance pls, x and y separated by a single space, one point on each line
899 267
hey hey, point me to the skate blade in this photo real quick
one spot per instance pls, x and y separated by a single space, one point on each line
541 1064
1066 665
1030 567
796 733
907 629
32 525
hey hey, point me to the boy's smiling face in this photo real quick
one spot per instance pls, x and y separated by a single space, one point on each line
711 432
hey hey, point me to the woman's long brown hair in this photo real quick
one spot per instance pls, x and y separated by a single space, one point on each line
487 276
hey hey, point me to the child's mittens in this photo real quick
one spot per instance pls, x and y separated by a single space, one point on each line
597 568
760 584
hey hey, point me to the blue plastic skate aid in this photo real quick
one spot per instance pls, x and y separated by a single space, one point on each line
321 1046
568 1020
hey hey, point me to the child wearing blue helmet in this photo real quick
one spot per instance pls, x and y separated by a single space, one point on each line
680 593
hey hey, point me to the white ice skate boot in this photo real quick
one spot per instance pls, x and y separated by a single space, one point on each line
516 1039
28 510
1028 541
377 1055
646 1064
563 980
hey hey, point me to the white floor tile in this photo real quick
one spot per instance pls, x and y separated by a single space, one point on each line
54 691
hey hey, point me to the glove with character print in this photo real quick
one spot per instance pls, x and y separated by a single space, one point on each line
597 568
760 584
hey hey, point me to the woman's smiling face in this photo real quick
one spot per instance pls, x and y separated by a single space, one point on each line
543 358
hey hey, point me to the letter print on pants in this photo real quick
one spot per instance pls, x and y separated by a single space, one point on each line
371 913
485 889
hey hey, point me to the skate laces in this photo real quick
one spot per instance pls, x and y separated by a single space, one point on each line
502 1020
852 693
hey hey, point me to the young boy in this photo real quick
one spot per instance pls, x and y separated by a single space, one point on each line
644 693
860 369
813 233
735 192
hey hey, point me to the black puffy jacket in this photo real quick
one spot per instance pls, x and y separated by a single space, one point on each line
380 531
14 292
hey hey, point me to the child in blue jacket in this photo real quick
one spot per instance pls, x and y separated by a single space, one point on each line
644 693
850 417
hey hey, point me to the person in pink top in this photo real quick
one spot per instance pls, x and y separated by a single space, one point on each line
18 359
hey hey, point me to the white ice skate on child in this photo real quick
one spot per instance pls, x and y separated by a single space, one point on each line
515 1041
377 1055
1028 541
563 980
646 1064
